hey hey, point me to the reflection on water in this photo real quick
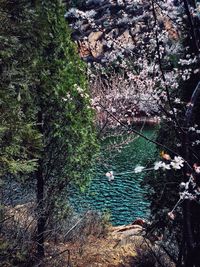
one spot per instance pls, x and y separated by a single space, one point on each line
123 197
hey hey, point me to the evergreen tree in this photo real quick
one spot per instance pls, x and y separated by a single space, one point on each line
64 113
19 138
47 121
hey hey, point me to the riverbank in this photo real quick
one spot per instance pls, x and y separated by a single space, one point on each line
117 248
124 246
105 125
90 241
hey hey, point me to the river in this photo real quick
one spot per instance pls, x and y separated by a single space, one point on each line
123 197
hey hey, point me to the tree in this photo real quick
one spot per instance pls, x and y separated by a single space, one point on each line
17 109
182 138
54 102
164 52
68 131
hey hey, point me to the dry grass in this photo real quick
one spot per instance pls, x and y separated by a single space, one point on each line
95 252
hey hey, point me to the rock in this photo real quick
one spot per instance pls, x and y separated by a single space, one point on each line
92 46
125 38
95 46
140 222
122 21
84 49
22 215
94 36
96 49
126 231
124 228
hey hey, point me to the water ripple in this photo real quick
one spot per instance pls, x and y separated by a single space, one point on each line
123 197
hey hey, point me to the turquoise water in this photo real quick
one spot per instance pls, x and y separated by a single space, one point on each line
123 197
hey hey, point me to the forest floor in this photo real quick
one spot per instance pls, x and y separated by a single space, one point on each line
92 244
116 249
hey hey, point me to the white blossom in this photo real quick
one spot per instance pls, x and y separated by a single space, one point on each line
182 185
177 163
191 129
171 215
157 165
161 165
110 176
139 169
177 100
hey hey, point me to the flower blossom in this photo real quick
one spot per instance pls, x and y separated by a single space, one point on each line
171 215
196 168
110 176
138 169
177 101
177 163
191 129
160 164
165 156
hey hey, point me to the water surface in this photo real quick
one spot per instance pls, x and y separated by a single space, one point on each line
123 197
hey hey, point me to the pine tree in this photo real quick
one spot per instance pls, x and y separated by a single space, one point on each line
64 113
47 104
19 138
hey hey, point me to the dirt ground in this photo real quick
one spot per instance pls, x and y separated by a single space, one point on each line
117 249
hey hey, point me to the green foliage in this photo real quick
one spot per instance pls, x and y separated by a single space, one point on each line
19 139
10 256
162 185
68 122
46 122
41 72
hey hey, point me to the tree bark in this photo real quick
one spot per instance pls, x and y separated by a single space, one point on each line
40 213
40 199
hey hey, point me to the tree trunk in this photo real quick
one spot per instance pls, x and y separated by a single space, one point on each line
40 199
40 212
